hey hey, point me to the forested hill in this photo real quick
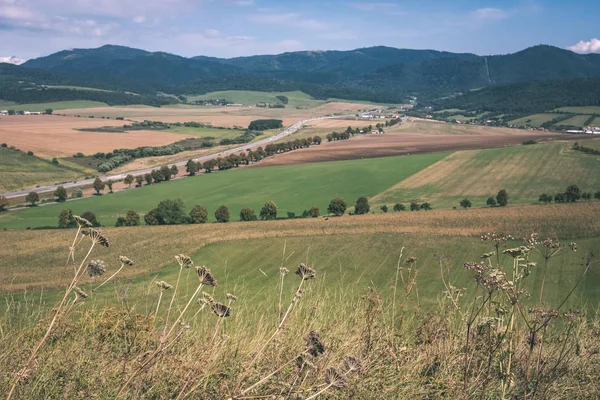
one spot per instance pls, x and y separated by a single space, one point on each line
377 73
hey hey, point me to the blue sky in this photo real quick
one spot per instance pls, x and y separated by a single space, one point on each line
229 28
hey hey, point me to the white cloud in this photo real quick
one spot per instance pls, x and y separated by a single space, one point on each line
590 46
489 14
12 60
388 8
289 19
140 19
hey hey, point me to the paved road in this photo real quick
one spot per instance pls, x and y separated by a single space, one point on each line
288 131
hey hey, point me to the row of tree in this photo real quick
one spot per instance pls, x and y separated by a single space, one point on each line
501 200
571 195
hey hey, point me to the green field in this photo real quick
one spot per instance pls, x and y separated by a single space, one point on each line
524 171
294 188
534 120
596 121
206 132
18 170
57 105
296 98
80 88
581 110
578 120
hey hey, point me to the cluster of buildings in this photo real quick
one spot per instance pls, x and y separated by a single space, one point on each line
590 130
5 112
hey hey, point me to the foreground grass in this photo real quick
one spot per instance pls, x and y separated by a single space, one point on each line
524 171
294 188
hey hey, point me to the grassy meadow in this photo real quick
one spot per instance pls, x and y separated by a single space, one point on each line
57 105
292 188
206 132
534 120
295 98
577 120
524 171
19 170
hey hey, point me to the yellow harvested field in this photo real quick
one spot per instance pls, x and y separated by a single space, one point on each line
56 136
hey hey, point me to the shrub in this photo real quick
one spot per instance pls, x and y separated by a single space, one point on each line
269 211
199 215
66 219
399 207
425 206
572 194
55 161
337 206
314 212
502 198
30 153
61 194
171 212
151 218
362 206
384 208
465 203
247 214
491 202
32 197
4 145
76 193
414 206
291 214
132 218
545 198
222 214
91 217
3 203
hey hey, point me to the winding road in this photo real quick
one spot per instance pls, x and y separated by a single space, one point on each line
86 182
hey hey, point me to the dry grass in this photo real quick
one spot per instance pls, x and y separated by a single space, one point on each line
35 259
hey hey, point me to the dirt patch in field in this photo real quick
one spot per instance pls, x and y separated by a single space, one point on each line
56 136
369 146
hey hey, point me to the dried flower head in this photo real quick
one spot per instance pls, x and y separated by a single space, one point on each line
305 272
517 251
206 277
208 298
162 285
231 297
314 345
96 268
126 261
498 239
335 379
354 364
82 222
97 236
488 255
80 293
411 260
283 271
184 261
221 310
573 246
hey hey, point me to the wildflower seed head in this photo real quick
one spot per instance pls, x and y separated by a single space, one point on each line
82 222
184 261
517 251
206 277
126 261
97 236
231 297
498 239
80 293
305 272
162 285
354 364
335 379
208 298
488 255
283 271
411 260
96 268
314 345
221 310
573 246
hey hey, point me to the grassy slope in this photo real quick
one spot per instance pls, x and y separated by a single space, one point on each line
534 120
577 120
18 170
293 188
296 98
581 110
58 105
206 132
524 171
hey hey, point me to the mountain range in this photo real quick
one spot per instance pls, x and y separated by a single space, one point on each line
375 73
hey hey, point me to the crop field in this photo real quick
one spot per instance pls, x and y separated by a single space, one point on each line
577 120
296 98
206 132
57 105
524 171
596 121
581 110
19 170
293 188
56 136
534 120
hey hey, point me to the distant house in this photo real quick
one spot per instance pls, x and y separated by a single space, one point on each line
366 116
3 112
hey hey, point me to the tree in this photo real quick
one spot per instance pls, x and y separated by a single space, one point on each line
76 193
269 211
362 206
191 168
61 194
465 203
120 222
157 176
199 215
30 153
291 215
49 111
314 212
545 198
109 183
166 172
597 195
3 203
32 197
399 207
129 180
572 194
66 219
491 202
55 161
222 214
586 196
425 206
502 198
148 178
560 198
337 206
171 212
414 206
384 208
247 214
132 218
91 217
139 180
174 171
209 165
98 185
151 218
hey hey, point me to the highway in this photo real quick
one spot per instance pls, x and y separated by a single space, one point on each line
86 182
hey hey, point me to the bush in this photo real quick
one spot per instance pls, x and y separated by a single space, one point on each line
151 218
4 145
61 194
425 206
314 212
30 153
91 217
247 214
291 214
269 211
171 212
132 218
66 219
545 198
399 207
337 206
502 198
76 193
3 203
572 194
465 203
222 214
265 124
362 206
199 215
32 197
491 202
414 206
597 195
55 161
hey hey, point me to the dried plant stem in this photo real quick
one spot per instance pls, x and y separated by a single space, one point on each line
279 306
326 388
396 289
184 310
158 304
59 308
263 380
109 278
172 300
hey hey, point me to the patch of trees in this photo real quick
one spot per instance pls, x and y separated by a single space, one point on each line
587 150
571 195
248 136
132 218
282 99
265 124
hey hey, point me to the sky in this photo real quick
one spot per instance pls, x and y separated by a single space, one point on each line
231 28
